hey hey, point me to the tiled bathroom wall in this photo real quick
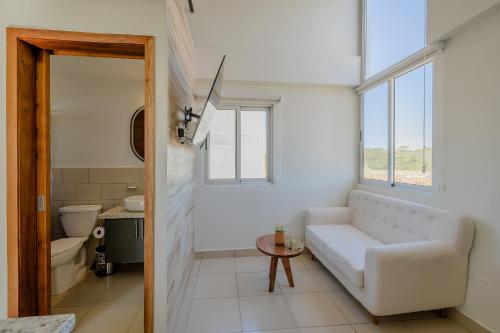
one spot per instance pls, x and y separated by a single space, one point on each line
83 186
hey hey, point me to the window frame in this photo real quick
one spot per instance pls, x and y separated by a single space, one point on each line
420 58
391 127
239 107
364 50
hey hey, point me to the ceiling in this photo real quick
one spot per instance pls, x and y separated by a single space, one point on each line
286 41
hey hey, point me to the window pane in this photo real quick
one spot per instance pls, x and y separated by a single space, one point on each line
413 127
375 133
254 144
395 29
222 156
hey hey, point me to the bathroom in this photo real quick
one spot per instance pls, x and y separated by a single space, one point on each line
97 161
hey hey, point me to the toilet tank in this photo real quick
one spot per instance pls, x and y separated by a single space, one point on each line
79 220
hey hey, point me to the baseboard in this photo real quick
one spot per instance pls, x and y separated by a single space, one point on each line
467 322
247 252
211 254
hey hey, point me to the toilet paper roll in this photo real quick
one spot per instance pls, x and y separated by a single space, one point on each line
99 232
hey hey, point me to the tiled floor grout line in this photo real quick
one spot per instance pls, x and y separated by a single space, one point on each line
80 282
85 315
96 303
348 323
354 329
133 319
403 322
238 295
218 297
340 310
290 309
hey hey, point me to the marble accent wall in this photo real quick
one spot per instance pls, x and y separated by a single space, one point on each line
180 228
180 166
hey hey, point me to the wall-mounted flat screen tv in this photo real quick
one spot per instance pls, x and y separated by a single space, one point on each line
207 115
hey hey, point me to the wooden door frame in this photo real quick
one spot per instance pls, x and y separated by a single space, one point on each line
38 45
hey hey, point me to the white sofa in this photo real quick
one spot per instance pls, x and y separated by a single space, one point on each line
394 256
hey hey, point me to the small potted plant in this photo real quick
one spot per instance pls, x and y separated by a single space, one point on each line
279 234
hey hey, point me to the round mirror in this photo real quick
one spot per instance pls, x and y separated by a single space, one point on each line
137 133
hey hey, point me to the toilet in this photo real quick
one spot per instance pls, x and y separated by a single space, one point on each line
69 255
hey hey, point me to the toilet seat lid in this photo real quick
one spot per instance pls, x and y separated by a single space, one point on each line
80 208
64 245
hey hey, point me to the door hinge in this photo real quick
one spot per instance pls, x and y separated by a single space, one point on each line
40 203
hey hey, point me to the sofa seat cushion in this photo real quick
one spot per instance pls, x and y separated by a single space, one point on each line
349 257
320 235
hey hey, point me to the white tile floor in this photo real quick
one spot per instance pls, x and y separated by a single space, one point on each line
230 295
113 304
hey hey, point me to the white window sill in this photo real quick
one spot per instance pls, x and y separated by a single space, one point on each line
397 186
386 188
233 184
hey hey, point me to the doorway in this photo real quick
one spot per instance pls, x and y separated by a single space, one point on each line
28 157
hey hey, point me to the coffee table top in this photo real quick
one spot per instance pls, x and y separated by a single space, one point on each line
266 245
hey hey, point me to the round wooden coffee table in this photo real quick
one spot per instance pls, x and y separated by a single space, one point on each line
266 245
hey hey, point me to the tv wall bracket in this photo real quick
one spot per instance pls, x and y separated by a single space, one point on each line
188 117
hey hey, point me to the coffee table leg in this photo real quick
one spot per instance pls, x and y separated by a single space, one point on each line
288 271
271 262
272 273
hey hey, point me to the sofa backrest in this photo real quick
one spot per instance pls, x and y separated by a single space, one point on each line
392 221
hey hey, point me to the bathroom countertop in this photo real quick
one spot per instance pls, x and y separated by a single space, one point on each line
42 324
119 212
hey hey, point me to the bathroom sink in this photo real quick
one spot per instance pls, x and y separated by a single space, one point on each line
134 203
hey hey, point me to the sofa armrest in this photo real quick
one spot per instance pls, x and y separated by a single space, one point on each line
431 274
328 215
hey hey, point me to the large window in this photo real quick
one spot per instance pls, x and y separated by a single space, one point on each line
239 146
375 120
413 127
396 92
394 30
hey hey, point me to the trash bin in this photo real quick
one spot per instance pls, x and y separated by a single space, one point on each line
102 268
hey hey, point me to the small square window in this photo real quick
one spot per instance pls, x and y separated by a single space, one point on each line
239 146
222 145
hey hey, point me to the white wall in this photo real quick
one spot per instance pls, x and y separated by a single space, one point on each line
112 16
469 156
315 132
446 17
301 51
312 42
92 103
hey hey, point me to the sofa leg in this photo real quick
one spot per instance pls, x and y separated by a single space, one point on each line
443 313
375 319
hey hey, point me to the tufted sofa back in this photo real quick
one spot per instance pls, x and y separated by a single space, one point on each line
392 221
